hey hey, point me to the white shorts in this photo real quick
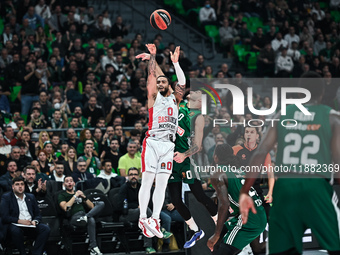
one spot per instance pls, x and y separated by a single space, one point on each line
157 156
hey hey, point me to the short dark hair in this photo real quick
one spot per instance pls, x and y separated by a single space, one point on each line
7 127
59 162
247 126
30 167
106 161
18 179
9 161
225 154
169 82
133 169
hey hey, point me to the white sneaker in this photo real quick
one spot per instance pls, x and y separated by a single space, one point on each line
95 251
142 225
246 251
82 219
155 227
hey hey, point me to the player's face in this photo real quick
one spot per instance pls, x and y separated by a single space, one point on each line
250 135
163 85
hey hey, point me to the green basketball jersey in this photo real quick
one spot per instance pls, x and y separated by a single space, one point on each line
186 127
235 183
306 147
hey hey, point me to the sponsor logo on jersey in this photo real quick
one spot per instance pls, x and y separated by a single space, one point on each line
162 119
231 211
180 131
167 126
174 101
183 175
243 156
162 165
191 114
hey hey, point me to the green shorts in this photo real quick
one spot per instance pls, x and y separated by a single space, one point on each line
183 172
299 204
238 235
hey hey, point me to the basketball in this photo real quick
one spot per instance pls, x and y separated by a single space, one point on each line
160 19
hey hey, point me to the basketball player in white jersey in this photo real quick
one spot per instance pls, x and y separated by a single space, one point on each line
158 145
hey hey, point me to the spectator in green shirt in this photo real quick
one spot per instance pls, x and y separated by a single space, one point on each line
130 159
92 162
85 135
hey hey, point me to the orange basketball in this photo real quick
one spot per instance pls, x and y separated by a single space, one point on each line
160 19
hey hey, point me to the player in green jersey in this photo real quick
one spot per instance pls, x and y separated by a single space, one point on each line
303 198
227 182
188 142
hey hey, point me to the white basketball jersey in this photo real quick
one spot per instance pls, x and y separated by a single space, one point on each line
163 118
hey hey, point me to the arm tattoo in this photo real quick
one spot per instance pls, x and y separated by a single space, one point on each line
194 148
152 65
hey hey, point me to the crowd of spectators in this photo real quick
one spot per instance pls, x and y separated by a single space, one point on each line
63 66
292 36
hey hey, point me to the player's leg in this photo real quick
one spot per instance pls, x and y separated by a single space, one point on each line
239 235
197 190
144 198
159 193
165 151
175 190
158 199
286 232
149 167
226 249
144 192
149 162
322 205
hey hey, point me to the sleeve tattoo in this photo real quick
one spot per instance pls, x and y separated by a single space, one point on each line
194 148
152 65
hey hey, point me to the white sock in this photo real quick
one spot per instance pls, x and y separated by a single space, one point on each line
215 218
159 193
144 193
192 224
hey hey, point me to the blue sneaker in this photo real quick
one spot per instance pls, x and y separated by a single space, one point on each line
196 236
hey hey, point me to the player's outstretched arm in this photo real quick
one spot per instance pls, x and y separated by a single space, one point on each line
197 141
146 56
151 83
220 183
180 86
335 146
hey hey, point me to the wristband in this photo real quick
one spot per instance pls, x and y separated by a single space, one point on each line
74 196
